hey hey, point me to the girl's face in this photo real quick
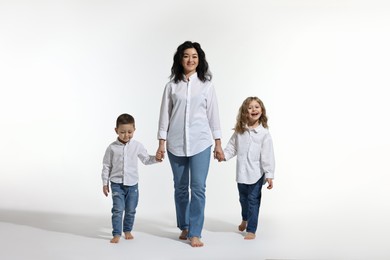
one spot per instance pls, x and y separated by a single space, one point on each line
190 61
254 112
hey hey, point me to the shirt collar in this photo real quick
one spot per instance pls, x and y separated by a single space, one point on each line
256 130
119 142
193 76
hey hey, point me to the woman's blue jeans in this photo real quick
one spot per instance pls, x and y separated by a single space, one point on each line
190 172
125 199
250 198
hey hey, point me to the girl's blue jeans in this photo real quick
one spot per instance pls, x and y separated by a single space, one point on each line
125 199
190 172
250 198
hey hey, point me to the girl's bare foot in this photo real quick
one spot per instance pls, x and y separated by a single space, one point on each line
242 226
128 235
115 239
250 236
195 242
183 235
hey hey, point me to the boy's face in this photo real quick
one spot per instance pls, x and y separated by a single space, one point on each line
125 132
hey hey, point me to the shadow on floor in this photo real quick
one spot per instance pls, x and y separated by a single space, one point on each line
99 227
82 225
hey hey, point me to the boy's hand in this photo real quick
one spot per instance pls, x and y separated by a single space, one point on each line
270 183
106 190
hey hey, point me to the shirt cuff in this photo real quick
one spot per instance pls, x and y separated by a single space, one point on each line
162 135
217 134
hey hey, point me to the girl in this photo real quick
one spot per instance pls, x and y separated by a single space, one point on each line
252 143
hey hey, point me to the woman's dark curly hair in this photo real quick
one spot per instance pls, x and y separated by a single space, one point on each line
177 70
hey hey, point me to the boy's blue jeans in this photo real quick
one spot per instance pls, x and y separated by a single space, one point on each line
125 199
250 198
190 172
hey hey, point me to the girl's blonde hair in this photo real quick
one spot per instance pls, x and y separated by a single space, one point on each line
242 117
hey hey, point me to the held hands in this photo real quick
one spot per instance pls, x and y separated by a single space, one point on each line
160 153
218 152
106 190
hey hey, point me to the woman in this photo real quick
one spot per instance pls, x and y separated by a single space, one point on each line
188 124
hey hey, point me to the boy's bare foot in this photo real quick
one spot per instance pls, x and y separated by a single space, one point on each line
250 236
184 234
128 235
242 226
115 239
195 242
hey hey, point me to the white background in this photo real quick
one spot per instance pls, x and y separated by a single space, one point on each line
69 68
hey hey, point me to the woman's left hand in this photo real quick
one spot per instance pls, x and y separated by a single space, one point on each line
218 152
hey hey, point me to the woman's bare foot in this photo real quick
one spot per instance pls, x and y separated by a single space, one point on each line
128 235
184 234
195 242
250 236
242 226
115 239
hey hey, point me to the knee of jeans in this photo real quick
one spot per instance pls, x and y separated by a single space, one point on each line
198 188
130 212
199 193
117 210
181 188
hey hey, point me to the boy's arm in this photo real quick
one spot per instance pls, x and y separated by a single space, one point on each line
106 170
147 158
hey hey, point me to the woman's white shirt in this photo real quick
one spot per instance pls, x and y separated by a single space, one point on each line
189 116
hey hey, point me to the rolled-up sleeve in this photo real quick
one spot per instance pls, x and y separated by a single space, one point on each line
165 111
213 113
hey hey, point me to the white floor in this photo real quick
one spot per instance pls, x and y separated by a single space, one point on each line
49 235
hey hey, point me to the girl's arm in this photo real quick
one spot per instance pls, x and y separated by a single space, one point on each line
268 160
231 148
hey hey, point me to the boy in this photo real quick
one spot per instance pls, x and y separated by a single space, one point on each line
120 168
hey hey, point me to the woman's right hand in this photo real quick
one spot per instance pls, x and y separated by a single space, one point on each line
160 153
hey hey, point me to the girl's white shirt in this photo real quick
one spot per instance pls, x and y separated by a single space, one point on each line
189 116
255 154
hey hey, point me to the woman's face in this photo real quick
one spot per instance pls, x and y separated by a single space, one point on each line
190 61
